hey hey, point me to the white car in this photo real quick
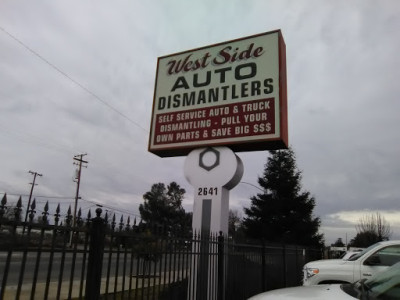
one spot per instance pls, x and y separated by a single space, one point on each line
363 265
384 285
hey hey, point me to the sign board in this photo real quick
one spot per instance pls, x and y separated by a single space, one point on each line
230 94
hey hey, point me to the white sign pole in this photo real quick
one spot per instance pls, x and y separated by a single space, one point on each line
212 172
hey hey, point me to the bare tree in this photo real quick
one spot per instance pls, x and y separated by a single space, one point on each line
234 221
374 223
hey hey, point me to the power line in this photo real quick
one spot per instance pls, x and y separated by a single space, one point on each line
253 186
98 98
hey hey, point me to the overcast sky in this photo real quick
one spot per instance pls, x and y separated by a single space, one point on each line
78 77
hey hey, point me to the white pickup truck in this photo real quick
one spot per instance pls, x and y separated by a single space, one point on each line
368 262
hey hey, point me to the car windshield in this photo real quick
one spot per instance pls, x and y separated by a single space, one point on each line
357 256
384 285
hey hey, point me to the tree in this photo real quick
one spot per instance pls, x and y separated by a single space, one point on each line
162 207
233 222
12 212
364 239
338 243
375 223
372 228
283 213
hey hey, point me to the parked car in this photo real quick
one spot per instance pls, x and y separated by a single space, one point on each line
363 265
350 254
384 285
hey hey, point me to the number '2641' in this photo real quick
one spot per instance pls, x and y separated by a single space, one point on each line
207 191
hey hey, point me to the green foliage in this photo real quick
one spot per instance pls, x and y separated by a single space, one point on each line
364 239
162 207
283 213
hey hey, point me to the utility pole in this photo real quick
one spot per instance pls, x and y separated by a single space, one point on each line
30 195
79 163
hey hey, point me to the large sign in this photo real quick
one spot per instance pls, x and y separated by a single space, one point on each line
230 94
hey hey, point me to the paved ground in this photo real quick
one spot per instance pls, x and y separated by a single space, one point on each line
40 288
52 295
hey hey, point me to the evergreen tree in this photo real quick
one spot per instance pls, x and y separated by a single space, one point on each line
163 207
283 213
338 243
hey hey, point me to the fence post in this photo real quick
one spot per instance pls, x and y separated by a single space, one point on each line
263 267
284 264
221 267
95 261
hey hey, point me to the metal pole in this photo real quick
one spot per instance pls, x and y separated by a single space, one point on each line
263 267
95 262
221 267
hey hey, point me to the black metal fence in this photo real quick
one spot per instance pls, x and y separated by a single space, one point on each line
98 258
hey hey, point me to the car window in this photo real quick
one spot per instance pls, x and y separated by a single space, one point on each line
349 255
357 256
389 256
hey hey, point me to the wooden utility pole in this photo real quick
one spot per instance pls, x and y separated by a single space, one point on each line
79 163
30 195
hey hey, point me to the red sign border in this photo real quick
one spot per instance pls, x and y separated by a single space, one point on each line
281 142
